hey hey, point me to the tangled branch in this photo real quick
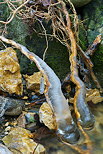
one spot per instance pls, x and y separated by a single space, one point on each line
14 12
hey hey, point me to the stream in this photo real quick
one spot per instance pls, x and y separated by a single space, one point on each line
54 146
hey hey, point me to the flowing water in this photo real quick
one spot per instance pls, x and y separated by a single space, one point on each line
54 146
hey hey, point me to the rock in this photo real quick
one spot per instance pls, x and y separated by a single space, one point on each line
7 129
23 32
4 150
79 3
9 106
19 139
33 82
30 117
42 133
10 77
32 127
34 97
94 27
91 95
94 96
21 121
47 117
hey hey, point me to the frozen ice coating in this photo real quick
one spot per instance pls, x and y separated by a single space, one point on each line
66 128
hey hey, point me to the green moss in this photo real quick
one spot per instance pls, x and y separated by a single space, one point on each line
93 17
57 58
98 59
82 37
16 29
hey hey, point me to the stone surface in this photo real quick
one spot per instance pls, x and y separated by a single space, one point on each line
10 77
46 116
23 141
93 21
79 3
30 117
33 82
91 95
22 31
9 106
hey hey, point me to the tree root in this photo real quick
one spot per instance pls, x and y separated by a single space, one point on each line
66 32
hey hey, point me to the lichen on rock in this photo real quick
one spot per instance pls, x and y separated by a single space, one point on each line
20 139
33 82
47 117
10 77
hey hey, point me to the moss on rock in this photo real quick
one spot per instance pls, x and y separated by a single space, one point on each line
93 17
21 32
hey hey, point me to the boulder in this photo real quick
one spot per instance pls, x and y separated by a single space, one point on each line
10 76
79 3
20 139
92 15
10 106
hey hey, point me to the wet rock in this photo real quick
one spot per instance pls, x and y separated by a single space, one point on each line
30 117
4 150
33 82
23 143
32 120
42 133
34 97
91 95
9 106
32 126
21 121
79 3
10 77
46 116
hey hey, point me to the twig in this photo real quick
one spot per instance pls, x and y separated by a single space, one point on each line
14 13
74 147
90 51
88 62
46 38
80 103
87 139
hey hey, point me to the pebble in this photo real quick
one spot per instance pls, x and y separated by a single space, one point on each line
7 129
10 106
